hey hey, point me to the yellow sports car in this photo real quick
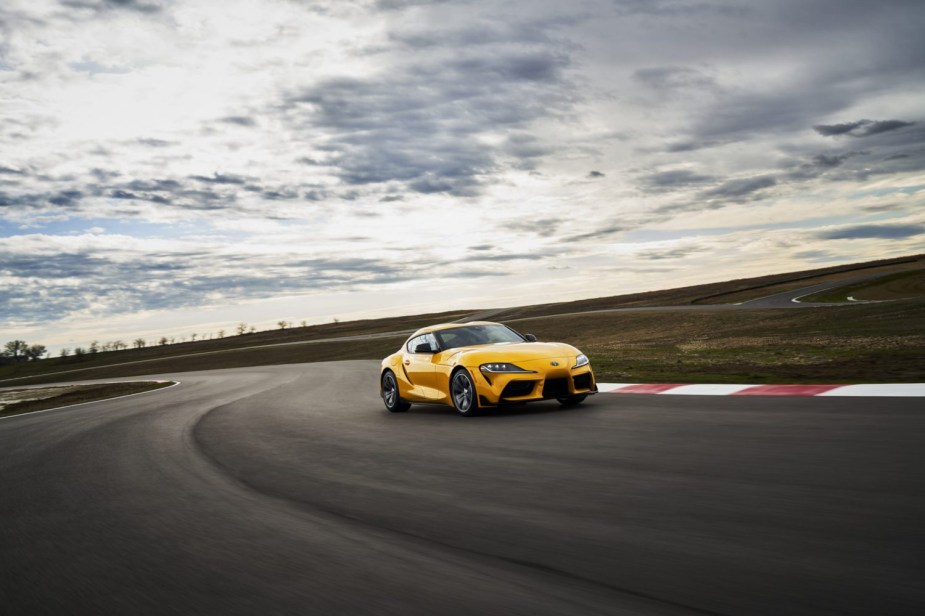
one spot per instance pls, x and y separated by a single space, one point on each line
474 366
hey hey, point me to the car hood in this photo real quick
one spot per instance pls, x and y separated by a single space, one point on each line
517 353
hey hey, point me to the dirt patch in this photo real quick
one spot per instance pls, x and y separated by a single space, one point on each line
15 402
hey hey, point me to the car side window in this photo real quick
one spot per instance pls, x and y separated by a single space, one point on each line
422 339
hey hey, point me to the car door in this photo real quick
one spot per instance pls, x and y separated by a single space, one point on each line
420 367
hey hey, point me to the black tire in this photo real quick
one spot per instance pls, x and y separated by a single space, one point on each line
463 394
389 391
572 400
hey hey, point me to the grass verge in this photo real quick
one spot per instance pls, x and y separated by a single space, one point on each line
874 343
18 401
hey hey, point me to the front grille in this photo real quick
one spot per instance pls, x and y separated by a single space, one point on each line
555 388
515 389
582 381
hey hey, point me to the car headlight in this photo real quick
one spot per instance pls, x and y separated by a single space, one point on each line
581 360
499 367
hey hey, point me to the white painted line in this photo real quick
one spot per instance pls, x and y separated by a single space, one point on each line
705 389
878 390
58 408
609 387
885 390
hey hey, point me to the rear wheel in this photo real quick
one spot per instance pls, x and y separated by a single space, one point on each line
572 400
463 394
393 402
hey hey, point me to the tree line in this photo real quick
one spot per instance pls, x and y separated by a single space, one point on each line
20 350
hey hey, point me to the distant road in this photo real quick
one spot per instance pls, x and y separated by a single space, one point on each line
290 490
791 299
785 299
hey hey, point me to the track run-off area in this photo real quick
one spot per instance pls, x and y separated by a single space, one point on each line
290 490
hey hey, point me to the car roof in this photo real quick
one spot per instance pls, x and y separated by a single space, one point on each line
442 326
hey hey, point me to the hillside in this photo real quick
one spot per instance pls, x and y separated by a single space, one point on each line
849 343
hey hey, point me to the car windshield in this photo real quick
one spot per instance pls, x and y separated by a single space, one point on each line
472 335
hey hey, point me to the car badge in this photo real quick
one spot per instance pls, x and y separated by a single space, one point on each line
553 363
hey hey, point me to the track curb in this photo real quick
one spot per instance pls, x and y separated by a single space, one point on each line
878 390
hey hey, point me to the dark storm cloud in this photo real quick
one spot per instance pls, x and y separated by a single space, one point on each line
818 165
113 282
398 5
889 232
675 179
666 78
543 227
155 143
61 199
523 256
240 120
596 234
276 195
737 190
861 128
420 124
527 29
124 194
679 8
826 161
734 189
739 117
670 253
219 193
108 5
219 178
848 50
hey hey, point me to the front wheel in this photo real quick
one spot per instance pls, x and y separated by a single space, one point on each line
572 400
393 402
463 394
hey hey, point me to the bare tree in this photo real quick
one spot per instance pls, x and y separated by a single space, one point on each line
252 329
15 348
118 345
139 343
65 352
163 341
35 352
282 324
79 352
193 337
94 346
221 333
241 328
303 323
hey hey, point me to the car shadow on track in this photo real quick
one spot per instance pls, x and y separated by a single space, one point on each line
499 412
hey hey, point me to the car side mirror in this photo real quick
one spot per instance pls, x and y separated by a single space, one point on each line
530 338
424 347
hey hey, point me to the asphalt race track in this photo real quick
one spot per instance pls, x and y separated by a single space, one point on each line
290 490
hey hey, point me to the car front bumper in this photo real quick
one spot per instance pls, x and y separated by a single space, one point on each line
499 388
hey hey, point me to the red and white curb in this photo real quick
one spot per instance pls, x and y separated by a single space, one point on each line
878 390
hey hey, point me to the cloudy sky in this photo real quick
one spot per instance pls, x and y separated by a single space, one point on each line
169 167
